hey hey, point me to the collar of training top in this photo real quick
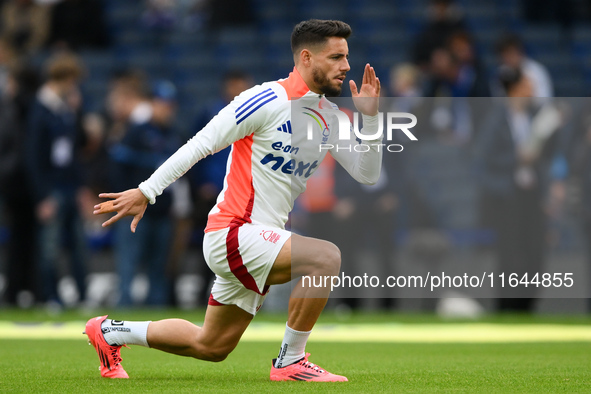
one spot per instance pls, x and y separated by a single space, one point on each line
294 85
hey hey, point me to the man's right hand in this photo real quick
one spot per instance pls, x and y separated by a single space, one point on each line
131 202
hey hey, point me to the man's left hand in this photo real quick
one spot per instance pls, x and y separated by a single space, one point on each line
366 99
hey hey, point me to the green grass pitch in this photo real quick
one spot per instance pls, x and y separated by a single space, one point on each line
52 365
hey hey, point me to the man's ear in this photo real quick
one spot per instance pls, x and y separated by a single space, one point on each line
305 57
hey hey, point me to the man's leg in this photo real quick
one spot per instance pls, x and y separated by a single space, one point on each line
222 329
224 325
128 251
49 248
160 239
313 258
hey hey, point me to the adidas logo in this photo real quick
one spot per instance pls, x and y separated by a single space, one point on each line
285 127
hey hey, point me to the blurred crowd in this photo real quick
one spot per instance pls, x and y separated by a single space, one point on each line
55 157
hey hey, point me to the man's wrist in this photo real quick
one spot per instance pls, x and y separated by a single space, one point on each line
145 190
371 124
370 120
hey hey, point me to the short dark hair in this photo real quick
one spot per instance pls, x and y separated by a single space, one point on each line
232 75
317 31
131 81
63 66
509 41
509 77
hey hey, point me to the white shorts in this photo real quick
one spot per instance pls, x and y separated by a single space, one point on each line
241 256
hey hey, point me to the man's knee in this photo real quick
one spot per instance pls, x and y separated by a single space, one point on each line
329 259
215 353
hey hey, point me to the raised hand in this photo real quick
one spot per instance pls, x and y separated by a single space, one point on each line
131 202
366 99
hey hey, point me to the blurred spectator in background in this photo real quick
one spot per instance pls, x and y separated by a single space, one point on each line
164 103
404 82
449 77
570 187
511 52
444 19
582 167
207 176
163 16
511 153
147 142
364 218
365 221
117 120
25 24
426 242
456 71
160 15
102 129
28 81
195 14
7 59
471 74
78 24
15 193
94 158
55 138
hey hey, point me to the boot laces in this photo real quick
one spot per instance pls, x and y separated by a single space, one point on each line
116 355
313 366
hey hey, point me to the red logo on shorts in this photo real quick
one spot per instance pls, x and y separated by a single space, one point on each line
270 236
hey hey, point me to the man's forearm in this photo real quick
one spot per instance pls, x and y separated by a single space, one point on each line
172 169
364 165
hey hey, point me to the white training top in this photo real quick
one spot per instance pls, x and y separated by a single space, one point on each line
270 160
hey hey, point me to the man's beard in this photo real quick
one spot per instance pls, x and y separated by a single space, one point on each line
324 85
